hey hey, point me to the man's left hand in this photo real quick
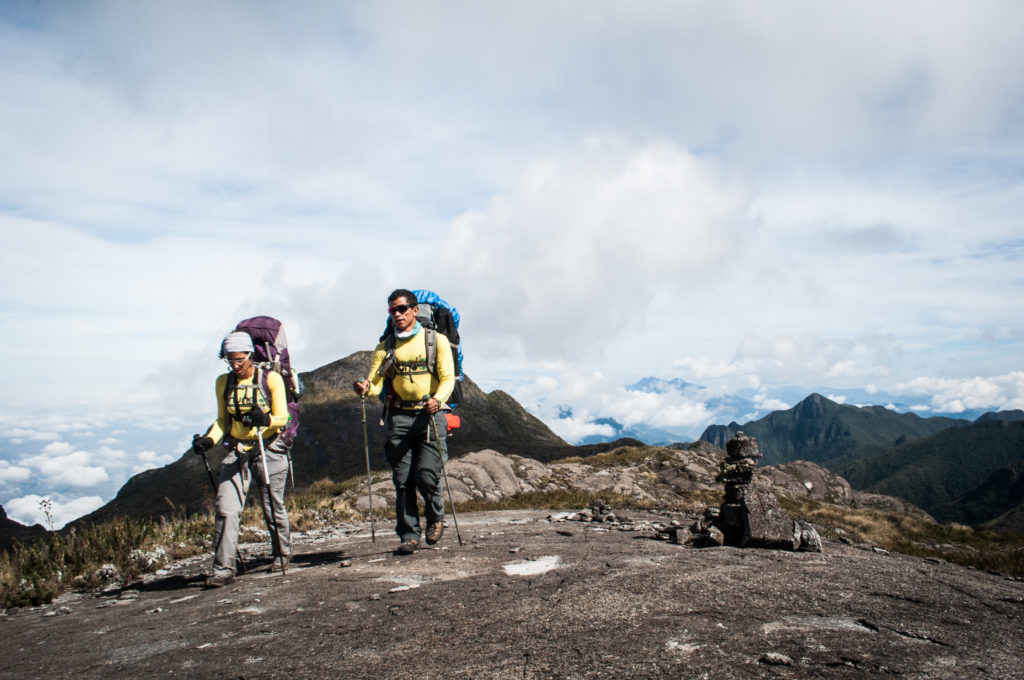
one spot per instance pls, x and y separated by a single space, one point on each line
432 406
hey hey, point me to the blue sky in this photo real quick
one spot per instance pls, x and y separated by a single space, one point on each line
756 197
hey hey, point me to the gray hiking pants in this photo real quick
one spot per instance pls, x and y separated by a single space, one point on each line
236 473
415 455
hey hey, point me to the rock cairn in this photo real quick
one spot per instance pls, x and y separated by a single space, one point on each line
737 473
750 515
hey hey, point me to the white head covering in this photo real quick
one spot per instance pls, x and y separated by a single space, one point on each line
238 341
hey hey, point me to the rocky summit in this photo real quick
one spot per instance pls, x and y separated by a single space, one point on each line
533 594
594 592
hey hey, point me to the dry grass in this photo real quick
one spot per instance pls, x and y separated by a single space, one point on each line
623 456
122 549
561 499
957 543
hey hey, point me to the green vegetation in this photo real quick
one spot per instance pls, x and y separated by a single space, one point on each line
934 472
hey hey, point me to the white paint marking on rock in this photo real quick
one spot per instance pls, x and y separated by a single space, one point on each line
532 567
839 623
681 647
402 589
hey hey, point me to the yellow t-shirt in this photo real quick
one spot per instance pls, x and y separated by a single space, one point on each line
413 379
240 399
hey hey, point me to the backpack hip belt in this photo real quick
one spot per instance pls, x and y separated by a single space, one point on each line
404 405
233 442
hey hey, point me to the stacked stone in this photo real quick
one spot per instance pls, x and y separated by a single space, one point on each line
751 516
737 474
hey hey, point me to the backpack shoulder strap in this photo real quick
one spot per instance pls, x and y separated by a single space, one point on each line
262 382
430 339
229 385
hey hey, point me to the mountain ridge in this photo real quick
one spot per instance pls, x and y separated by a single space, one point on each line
936 463
822 431
11 530
330 442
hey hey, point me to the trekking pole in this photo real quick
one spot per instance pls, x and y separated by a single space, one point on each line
369 489
444 472
270 497
209 473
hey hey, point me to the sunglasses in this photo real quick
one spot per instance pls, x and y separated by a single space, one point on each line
238 362
401 309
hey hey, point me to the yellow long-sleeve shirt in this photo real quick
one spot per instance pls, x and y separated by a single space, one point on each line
240 400
411 385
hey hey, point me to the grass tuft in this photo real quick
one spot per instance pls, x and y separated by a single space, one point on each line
956 543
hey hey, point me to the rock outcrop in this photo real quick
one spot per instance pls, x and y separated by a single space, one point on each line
750 515
527 597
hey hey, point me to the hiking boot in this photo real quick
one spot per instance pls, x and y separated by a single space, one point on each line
434 532
275 566
408 546
219 580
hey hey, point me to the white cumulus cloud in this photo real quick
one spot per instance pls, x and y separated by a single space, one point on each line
13 473
587 236
63 466
955 395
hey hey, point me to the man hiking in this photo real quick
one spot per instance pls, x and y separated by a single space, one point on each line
244 414
415 424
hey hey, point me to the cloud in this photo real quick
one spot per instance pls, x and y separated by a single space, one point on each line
13 473
803 359
795 214
28 511
868 238
767 403
576 428
955 395
57 449
44 436
146 460
592 396
592 232
794 359
64 466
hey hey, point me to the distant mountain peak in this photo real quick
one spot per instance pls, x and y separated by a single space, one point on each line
823 431
660 385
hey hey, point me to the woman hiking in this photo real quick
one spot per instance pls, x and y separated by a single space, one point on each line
251 403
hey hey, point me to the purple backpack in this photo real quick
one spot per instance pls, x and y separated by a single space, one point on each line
270 345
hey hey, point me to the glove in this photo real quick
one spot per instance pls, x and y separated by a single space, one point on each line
201 444
255 418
